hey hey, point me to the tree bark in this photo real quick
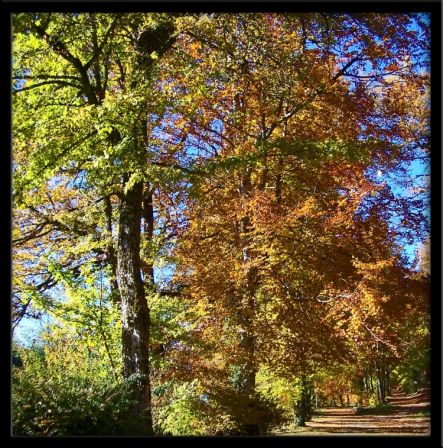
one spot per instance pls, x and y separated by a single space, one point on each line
247 315
303 406
134 307
380 373
388 382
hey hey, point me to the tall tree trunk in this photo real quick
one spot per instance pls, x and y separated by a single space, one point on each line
247 342
303 406
379 381
380 373
370 384
388 382
246 313
248 307
134 307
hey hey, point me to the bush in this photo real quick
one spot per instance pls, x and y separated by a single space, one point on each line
182 413
48 403
188 409
249 415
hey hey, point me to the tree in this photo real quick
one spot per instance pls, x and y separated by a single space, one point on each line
297 129
93 91
242 150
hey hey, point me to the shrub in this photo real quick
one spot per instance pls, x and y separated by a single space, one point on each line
48 403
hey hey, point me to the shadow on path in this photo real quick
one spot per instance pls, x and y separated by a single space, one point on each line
404 418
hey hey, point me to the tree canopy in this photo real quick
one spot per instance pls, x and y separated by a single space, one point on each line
213 210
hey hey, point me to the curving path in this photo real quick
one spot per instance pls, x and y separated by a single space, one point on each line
404 419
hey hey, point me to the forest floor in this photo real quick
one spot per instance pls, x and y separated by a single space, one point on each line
407 415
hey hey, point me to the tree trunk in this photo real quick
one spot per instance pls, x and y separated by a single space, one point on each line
371 384
388 382
246 314
134 307
379 389
247 342
381 382
380 373
303 406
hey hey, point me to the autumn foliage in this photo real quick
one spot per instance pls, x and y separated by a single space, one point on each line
214 209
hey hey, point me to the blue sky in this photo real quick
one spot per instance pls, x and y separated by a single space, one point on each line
416 169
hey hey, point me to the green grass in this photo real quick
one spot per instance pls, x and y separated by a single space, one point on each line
424 413
382 409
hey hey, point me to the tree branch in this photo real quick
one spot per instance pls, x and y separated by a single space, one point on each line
42 76
58 82
60 48
99 49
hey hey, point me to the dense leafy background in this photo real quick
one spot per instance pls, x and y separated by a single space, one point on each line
284 158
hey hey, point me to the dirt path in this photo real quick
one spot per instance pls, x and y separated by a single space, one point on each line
404 419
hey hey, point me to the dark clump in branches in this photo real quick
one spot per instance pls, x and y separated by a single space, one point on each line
114 137
158 39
